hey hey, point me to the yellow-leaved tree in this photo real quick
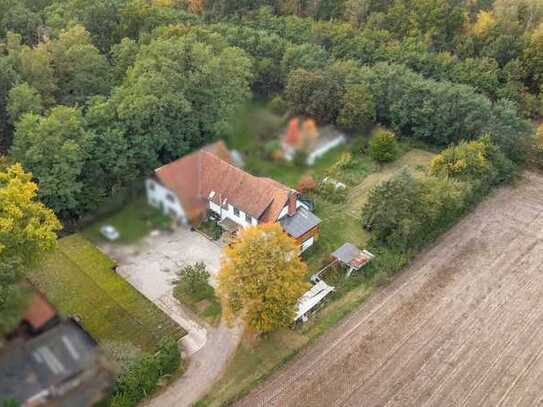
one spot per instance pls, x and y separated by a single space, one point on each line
262 277
484 23
27 230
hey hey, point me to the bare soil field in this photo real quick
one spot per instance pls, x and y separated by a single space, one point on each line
462 326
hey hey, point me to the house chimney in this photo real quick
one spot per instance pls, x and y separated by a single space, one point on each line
292 198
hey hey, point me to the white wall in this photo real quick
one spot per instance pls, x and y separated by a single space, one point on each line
228 212
157 197
284 211
288 151
324 149
307 244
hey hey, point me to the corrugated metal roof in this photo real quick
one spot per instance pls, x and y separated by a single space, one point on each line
351 255
28 368
312 297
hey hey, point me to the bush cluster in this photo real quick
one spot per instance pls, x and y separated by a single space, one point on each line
332 193
383 146
194 283
143 377
407 210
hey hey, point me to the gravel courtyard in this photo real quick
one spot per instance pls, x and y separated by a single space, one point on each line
151 266
463 326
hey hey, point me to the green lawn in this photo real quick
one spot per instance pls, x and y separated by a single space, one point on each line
209 309
341 222
255 360
288 173
78 279
133 222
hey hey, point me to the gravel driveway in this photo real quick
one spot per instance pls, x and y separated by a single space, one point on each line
151 266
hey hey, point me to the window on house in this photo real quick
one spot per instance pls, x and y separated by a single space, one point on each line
169 197
248 219
152 186
236 211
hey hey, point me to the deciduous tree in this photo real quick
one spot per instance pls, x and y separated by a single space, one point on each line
22 99
262 277
27 230
54 147
357 108
179 94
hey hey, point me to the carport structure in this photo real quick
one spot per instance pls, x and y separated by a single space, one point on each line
352 257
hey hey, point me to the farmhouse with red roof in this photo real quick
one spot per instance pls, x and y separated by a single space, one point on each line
206 181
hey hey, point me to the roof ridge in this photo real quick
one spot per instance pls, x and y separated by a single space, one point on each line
199 172
267 179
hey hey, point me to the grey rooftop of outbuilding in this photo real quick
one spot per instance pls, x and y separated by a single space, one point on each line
300 223
351 255
30 368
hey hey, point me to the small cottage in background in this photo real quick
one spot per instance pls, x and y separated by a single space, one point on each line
303 135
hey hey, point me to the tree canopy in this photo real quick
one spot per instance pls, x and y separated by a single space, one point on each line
152 80
262 277
27 231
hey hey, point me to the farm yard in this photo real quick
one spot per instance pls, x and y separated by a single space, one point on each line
341 221
79 280
461 326
275 202
255 359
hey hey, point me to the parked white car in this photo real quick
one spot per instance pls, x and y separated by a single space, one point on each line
109 232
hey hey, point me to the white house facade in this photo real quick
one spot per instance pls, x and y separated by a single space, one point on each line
236 215
162 198
206 183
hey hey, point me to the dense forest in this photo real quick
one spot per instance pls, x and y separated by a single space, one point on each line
95 94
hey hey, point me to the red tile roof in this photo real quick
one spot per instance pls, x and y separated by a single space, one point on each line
39 311
207 174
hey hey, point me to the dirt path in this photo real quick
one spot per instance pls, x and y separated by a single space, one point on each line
151 266
462 326
205 366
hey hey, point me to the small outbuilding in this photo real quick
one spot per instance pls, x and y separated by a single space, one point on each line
303 135
352 257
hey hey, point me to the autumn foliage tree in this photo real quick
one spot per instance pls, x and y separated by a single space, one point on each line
262 277
27 230
306 183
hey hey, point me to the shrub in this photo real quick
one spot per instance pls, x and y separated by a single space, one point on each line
344 162
193 282
332 193
271 147
405 211
300 158
478 162
143 377
278 105
211 228
306 183
383 146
